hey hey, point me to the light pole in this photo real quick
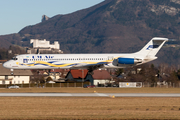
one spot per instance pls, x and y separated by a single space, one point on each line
82 76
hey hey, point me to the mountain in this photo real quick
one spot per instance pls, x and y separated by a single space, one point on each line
111 26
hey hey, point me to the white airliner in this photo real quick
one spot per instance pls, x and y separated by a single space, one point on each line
87 61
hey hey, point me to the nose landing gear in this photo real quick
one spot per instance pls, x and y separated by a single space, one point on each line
12 72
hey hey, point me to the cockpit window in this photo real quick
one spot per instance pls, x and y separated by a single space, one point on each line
14 58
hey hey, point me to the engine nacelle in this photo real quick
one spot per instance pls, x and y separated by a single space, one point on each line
127 61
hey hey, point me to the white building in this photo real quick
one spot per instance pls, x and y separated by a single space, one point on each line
14 77
44 44
44 47
101 77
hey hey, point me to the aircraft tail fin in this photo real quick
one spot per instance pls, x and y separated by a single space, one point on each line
152 47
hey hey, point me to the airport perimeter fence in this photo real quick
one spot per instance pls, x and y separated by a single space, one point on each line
49 85
162 85
83 84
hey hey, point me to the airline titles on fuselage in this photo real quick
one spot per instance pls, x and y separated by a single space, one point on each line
41 57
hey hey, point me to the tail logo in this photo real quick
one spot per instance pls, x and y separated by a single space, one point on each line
152 46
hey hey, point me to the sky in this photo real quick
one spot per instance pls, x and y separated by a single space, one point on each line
17 14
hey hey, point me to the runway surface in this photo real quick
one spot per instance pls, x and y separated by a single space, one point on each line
89 94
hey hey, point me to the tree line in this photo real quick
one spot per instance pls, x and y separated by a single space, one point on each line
148 73
6 54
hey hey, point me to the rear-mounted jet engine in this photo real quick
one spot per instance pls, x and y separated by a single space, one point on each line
127 61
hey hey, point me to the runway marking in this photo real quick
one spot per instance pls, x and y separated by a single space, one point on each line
102 94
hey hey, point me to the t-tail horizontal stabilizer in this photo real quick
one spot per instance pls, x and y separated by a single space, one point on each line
150 50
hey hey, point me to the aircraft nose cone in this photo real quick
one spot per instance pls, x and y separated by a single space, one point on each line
6 65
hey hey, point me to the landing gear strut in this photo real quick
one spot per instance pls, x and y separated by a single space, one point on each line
12 72
92 68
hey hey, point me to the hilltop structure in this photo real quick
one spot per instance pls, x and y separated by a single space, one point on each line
43 46
44 18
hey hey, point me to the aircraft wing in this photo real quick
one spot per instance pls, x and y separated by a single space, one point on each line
89 65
